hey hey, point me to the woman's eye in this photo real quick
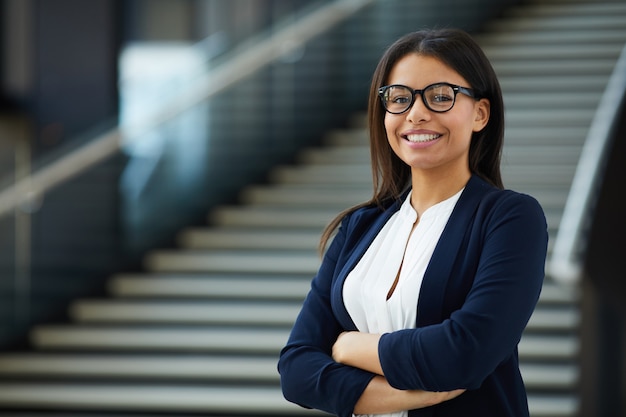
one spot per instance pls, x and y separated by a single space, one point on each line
400 99
441 98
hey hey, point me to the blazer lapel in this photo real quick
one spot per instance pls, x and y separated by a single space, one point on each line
364 242
432 292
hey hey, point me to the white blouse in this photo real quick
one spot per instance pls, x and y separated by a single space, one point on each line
395 249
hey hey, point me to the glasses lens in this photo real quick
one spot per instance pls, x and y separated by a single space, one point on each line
440 97
397 99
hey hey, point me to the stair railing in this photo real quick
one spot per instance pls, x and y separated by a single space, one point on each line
565 264
245 62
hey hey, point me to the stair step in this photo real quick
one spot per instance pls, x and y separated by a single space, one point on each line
279 217
276 197
231 340
257 341
549 51
553 117
269 216
339 196
558 294
551 196
353 137
549 376
205 238
242 369
554 320
555 175
151 398
514 101
257 287
124 366
342 155
548 347
260 215
546 155
551 199
564 67
600 36
358 174
551 24
264 216
248 313
212 286
555 83
232 261
545 136
306 195
553 405
262 200
355 174
194 399
526 154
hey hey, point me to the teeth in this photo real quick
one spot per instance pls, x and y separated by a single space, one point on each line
421 138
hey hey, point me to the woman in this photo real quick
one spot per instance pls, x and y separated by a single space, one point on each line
424 291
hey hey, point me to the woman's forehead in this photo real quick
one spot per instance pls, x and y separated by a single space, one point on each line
417 71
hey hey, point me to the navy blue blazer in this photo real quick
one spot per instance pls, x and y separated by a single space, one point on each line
478 293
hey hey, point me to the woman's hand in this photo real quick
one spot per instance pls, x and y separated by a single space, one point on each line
433 398
359 350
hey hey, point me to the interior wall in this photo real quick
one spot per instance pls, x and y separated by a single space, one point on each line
15 51
59 81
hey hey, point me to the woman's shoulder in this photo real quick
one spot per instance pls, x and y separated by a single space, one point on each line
507 203
490 193
371 212
366 220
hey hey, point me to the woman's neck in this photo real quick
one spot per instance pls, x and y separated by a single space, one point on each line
428 190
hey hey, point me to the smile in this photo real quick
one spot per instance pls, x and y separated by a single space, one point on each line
422 137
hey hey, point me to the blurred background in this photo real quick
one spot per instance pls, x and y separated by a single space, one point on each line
167 166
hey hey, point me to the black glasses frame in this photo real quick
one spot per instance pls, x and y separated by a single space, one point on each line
456 88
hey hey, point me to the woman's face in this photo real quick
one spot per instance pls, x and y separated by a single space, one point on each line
430 142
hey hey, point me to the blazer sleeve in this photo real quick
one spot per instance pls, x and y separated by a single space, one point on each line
465 348
309 376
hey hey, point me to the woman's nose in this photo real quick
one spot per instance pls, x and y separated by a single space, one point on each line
418 112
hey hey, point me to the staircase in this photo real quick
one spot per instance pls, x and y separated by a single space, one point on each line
200 330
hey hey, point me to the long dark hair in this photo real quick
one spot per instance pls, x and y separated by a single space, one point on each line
456 49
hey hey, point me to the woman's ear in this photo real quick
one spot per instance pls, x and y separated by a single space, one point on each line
482 110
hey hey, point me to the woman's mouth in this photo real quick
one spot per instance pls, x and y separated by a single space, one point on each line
420 138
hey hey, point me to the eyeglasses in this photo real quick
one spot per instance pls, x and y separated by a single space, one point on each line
439 97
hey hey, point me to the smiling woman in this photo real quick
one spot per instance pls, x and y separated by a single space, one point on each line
423 294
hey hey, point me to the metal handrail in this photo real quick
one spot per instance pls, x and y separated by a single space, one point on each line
242 64
565 264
